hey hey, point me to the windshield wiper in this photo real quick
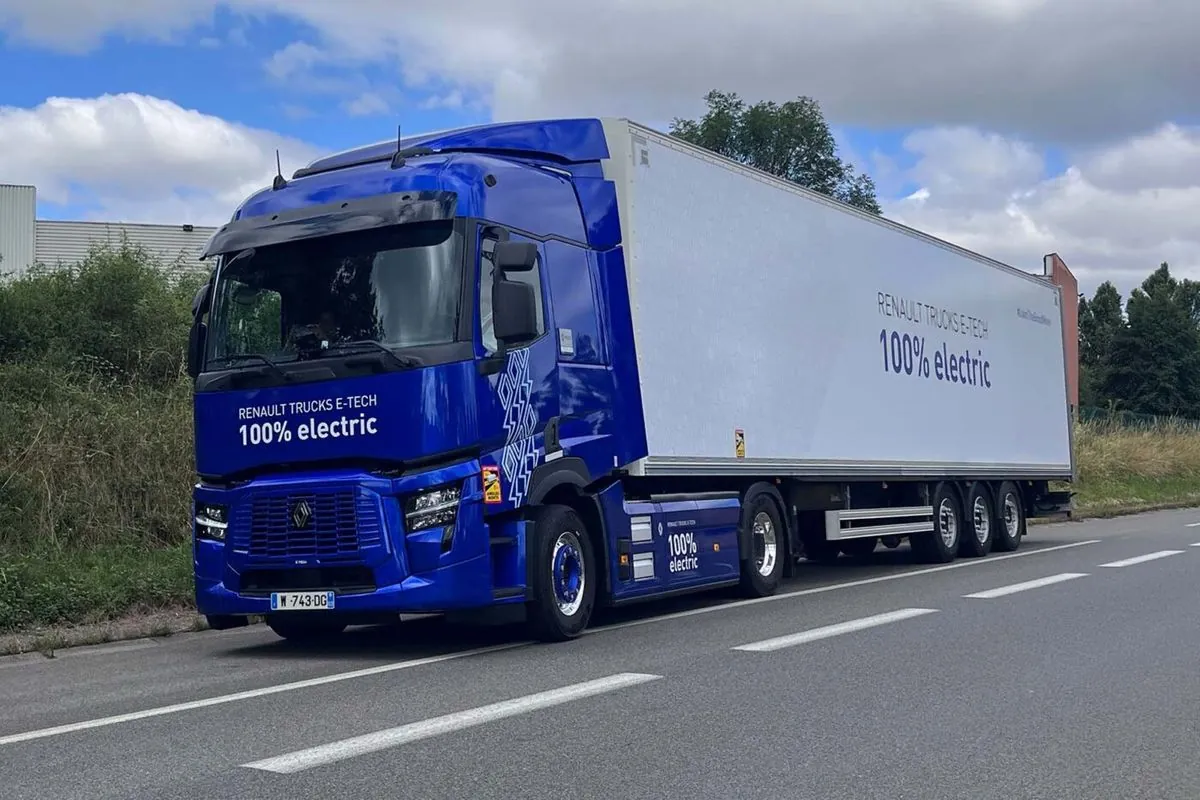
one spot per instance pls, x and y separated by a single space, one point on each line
229 361
404 362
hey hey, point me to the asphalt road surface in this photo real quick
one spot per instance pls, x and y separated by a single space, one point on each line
1070 669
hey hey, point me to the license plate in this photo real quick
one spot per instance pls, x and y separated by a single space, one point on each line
301 601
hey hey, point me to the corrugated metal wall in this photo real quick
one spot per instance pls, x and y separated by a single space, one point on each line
61 242
18 206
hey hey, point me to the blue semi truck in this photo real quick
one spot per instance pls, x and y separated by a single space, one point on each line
573 363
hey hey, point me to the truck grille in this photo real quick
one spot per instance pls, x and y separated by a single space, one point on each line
307 524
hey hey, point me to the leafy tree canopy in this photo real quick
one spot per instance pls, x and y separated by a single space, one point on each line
790 140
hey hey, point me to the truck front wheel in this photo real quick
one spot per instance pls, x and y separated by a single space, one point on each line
563 589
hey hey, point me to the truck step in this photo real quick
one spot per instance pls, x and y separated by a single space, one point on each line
507 592
498 540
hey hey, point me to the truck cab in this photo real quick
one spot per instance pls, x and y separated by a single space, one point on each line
399 351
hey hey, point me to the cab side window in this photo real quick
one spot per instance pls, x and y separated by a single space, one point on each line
486 277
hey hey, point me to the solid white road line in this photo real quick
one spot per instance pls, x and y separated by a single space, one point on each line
1194 544
250 694
1128 562
827 631
974 562
1192 525
1025 586
449 723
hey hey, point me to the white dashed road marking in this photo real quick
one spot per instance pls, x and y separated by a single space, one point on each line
827 631
1024 586
438 726
1129 562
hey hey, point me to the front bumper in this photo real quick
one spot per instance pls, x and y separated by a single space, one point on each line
356 544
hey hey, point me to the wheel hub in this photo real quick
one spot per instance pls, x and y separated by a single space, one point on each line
983 520
947 524
567 573
766 544
1012 516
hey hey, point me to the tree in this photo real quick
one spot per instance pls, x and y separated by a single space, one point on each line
790 140
1154 361
1100 319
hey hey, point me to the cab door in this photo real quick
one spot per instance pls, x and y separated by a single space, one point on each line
518 385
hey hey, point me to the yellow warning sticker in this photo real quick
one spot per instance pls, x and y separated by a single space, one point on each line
491 486
739 443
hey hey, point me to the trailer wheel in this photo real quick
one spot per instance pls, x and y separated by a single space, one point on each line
980 531
940 545
1010 518
762 563
563 588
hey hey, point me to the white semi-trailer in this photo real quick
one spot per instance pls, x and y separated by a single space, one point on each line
576 362
893 377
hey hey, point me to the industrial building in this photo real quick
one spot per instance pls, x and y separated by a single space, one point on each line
26 241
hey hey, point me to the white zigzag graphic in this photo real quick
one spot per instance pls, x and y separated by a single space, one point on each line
520 457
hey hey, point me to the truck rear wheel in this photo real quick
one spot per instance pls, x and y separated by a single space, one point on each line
1010 518
940 545
762 562
563 590
980 533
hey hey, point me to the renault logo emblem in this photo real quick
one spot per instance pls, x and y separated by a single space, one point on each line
301 515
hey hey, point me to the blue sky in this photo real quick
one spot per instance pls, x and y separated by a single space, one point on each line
220 70
223 69
985 127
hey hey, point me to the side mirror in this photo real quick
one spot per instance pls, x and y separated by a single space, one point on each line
514 311
197 340
514 256
200 300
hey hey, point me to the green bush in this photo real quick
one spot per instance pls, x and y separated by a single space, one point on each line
95 439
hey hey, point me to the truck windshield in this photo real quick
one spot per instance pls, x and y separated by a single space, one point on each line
400 287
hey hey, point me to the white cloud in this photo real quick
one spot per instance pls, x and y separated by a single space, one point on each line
137 158
1116 213
1080 70
367 104
77 26
986 85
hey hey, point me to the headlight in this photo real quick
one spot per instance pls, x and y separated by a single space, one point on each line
212 521
432 509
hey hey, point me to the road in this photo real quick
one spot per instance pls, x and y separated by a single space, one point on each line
1066 670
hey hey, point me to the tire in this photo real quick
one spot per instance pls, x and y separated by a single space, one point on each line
940 545
306 631
1010 518
762 562
563 587
980 522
